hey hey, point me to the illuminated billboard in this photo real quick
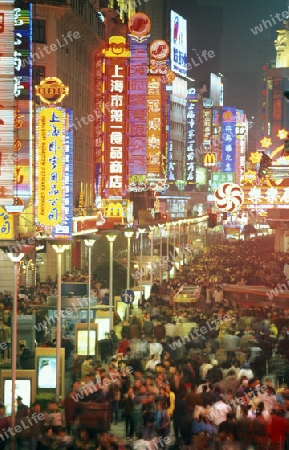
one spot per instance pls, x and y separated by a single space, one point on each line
137 107
228 139
64 229
114 157
191 113
178 44
23 102
154 132
8 86
50 151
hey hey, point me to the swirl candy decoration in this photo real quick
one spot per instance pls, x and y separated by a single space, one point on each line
229 197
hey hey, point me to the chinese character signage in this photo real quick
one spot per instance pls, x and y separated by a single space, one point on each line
115 156
154 132
228 139
178 44
23 102
221 178
64 230
98 126
192 101
241 135
207 129
266 197
50 154
137 106
7 103
6 225
216 136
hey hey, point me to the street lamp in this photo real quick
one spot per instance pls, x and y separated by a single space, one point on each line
16 260
161 226
111 237
141 232
59 249
174 245
128 234
152 230
89 244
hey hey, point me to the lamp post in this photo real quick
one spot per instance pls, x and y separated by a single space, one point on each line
174 245
141 232
168 256
128 234
152 230
161 226
59 250
111 237
89 244
16 260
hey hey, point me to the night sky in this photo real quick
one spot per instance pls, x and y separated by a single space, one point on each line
225 27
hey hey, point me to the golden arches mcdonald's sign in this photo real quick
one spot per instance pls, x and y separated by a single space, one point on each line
210 160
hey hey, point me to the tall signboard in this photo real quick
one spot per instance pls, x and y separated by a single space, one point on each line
53 160
23 103
178 44
50 143
64 229
228 139
192 102
8 88
138 39
115 152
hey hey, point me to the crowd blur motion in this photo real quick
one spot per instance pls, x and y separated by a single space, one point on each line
212 374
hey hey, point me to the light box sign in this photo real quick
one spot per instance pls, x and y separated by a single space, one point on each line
191 113
266 197
98 125
23 101
178 44
137 105
216 140
6 225
64 230
220 178
154 134
7 89
50 145
115 158
228 139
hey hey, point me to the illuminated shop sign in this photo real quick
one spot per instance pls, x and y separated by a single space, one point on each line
192 101
51 90
7 89
178 44
137 107
154 120
50 145
228 139
23 102
115 117
64 229
218 178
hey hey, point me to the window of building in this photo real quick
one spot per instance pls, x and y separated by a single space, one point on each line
38 74
38 31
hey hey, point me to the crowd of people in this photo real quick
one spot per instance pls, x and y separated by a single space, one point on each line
210 376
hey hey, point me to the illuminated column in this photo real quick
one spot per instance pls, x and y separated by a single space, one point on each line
89 244
128 234
59 250
16 260
174 245
111 237
168 256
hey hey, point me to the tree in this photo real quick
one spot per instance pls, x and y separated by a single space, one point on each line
101 275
